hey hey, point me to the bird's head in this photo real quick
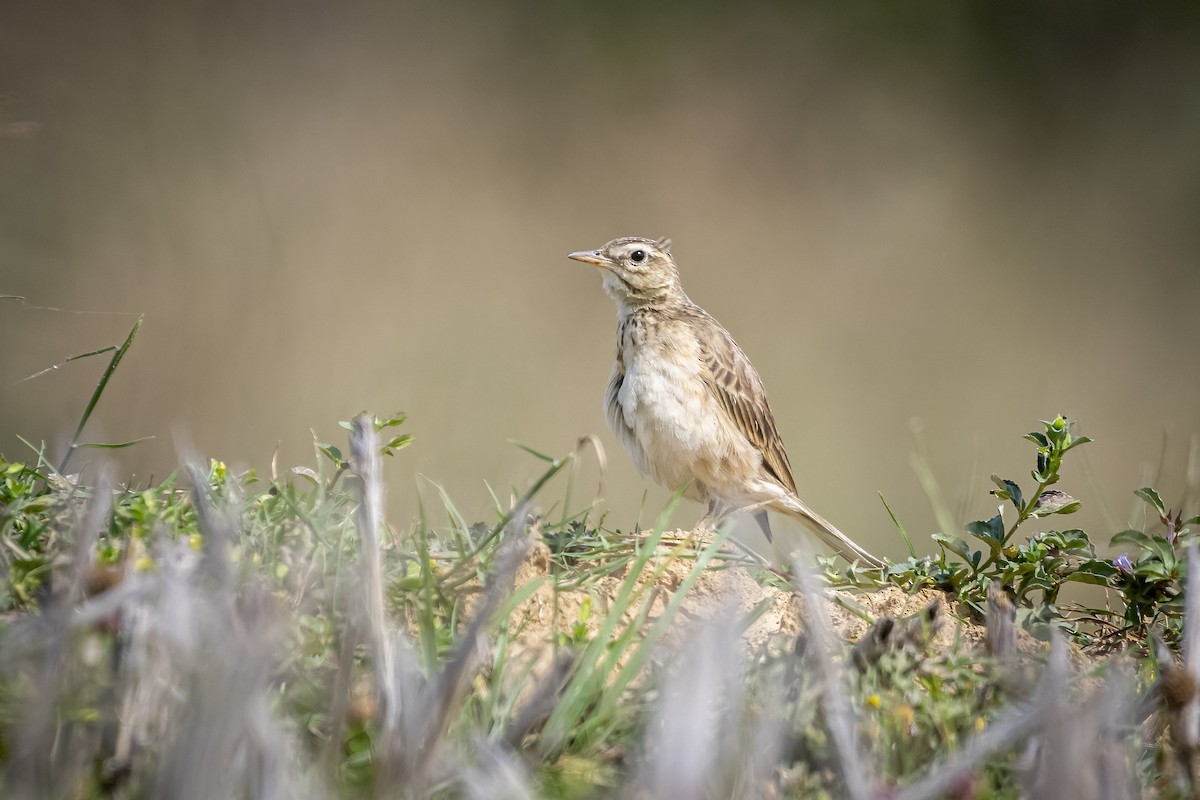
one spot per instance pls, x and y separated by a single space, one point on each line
637 271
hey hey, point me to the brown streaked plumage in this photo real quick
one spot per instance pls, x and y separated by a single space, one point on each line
686 401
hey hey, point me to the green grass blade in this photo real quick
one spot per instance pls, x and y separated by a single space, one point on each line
605 649
62 363
113 363
458 524
645 647
114 445
454 578
912 551
535 453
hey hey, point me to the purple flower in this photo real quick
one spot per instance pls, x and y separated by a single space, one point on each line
1123 563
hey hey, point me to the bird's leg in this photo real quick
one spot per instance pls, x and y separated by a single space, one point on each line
718 512
705 524
711 518
710 521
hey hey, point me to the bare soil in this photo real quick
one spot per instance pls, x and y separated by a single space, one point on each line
725 592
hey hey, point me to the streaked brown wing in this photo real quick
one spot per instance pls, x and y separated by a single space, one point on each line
735 383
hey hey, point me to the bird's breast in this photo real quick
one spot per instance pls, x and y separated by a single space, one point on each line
670 420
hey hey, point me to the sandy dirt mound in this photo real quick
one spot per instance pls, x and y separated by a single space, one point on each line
722 592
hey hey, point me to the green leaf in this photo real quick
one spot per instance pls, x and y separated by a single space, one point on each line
1151 497
1131 536
1095 571
1165 552
397 418
1037 581
1073 540
399 443
1152 569
1009 490
1154 547
1038 439
955 545
34 506
332 452
1078 440
1087 577
991 530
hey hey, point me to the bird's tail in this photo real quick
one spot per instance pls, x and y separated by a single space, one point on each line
841 544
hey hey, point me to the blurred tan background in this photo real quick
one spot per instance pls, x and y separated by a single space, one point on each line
969 214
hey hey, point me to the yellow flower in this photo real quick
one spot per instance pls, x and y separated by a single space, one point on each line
873 701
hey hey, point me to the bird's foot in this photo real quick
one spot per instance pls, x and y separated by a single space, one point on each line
712 518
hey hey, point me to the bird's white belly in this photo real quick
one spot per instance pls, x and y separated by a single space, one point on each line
672 419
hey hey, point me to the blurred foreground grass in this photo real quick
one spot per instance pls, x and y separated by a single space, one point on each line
235 635
223 635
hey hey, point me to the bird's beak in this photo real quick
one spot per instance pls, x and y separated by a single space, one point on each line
591 257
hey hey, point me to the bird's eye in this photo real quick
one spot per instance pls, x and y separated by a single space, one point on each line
637 256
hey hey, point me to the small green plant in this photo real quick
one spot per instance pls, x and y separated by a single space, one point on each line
380 424
1151 581
1147 584
1036 568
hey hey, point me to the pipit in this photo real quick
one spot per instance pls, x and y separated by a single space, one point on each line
687 403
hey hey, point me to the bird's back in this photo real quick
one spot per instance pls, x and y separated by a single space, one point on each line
739 391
